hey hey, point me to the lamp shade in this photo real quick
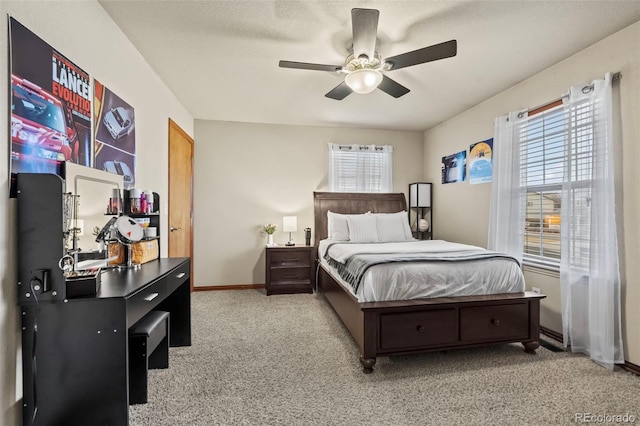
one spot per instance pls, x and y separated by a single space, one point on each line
363 80
420 194
290 223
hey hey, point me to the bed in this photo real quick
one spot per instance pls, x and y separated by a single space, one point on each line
384 328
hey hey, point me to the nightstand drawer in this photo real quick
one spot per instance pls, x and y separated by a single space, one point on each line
289 258
290 275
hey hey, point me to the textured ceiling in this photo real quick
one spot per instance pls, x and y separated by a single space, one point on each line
220 58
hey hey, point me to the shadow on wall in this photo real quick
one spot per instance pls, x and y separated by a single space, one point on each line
550 318
323 184
259 267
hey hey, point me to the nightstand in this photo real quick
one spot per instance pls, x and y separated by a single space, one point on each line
289 269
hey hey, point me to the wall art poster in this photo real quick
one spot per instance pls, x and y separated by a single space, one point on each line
481 162
454 167
115 146
50 106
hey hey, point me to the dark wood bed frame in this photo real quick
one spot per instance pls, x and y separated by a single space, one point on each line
421 325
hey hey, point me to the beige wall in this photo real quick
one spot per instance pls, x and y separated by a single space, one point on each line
86 34
247 175
461 211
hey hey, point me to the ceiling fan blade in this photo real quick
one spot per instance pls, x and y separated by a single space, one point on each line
392 87
308 66
426 54
339 92
365 31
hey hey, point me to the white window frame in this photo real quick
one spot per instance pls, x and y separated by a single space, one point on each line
360 168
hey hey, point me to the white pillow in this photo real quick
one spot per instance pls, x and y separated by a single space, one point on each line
337 228
362 228
393 227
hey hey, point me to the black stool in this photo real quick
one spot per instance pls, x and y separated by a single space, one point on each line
148 348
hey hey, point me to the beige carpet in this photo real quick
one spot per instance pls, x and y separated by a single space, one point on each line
287 360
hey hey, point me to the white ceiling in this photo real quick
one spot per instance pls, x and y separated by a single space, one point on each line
220 58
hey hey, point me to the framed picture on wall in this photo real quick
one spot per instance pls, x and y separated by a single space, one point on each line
115 127
481 162
454 167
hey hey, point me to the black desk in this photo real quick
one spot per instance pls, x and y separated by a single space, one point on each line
81 344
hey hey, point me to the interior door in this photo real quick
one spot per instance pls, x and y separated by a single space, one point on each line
180 194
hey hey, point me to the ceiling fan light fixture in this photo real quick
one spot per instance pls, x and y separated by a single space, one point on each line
363 80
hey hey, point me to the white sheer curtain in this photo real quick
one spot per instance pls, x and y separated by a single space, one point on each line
589 272
589 266
508 196
360 168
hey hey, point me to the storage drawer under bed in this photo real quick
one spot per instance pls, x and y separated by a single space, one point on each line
455 325
487 323
413 329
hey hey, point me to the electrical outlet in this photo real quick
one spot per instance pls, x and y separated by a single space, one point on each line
535 290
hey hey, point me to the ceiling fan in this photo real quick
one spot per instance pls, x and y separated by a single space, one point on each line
364 67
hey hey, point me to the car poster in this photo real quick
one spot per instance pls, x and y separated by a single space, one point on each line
50 106
454 167
481 162
115 146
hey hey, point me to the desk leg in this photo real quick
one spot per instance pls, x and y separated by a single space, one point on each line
178 304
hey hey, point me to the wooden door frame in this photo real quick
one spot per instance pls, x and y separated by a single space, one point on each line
175 126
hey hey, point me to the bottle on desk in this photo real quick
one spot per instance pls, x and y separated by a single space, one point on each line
148 195
135 200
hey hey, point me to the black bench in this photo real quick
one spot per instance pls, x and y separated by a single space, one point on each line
148 348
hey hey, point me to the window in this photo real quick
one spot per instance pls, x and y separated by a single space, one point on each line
555 146
360 168
541 169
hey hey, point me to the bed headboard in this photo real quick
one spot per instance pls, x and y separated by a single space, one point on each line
352 203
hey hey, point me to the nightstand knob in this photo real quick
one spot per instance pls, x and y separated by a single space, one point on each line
495 321
420 328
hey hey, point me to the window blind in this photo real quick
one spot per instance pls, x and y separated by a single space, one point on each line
360 168
541 170
556 146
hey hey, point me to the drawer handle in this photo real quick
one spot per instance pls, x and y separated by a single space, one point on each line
290 275
495 321
150 297
420 328
294 259
180 275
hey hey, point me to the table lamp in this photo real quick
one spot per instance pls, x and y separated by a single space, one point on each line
290 224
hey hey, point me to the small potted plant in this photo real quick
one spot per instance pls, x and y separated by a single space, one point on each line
269 229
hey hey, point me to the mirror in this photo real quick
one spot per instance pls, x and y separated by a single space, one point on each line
93 189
